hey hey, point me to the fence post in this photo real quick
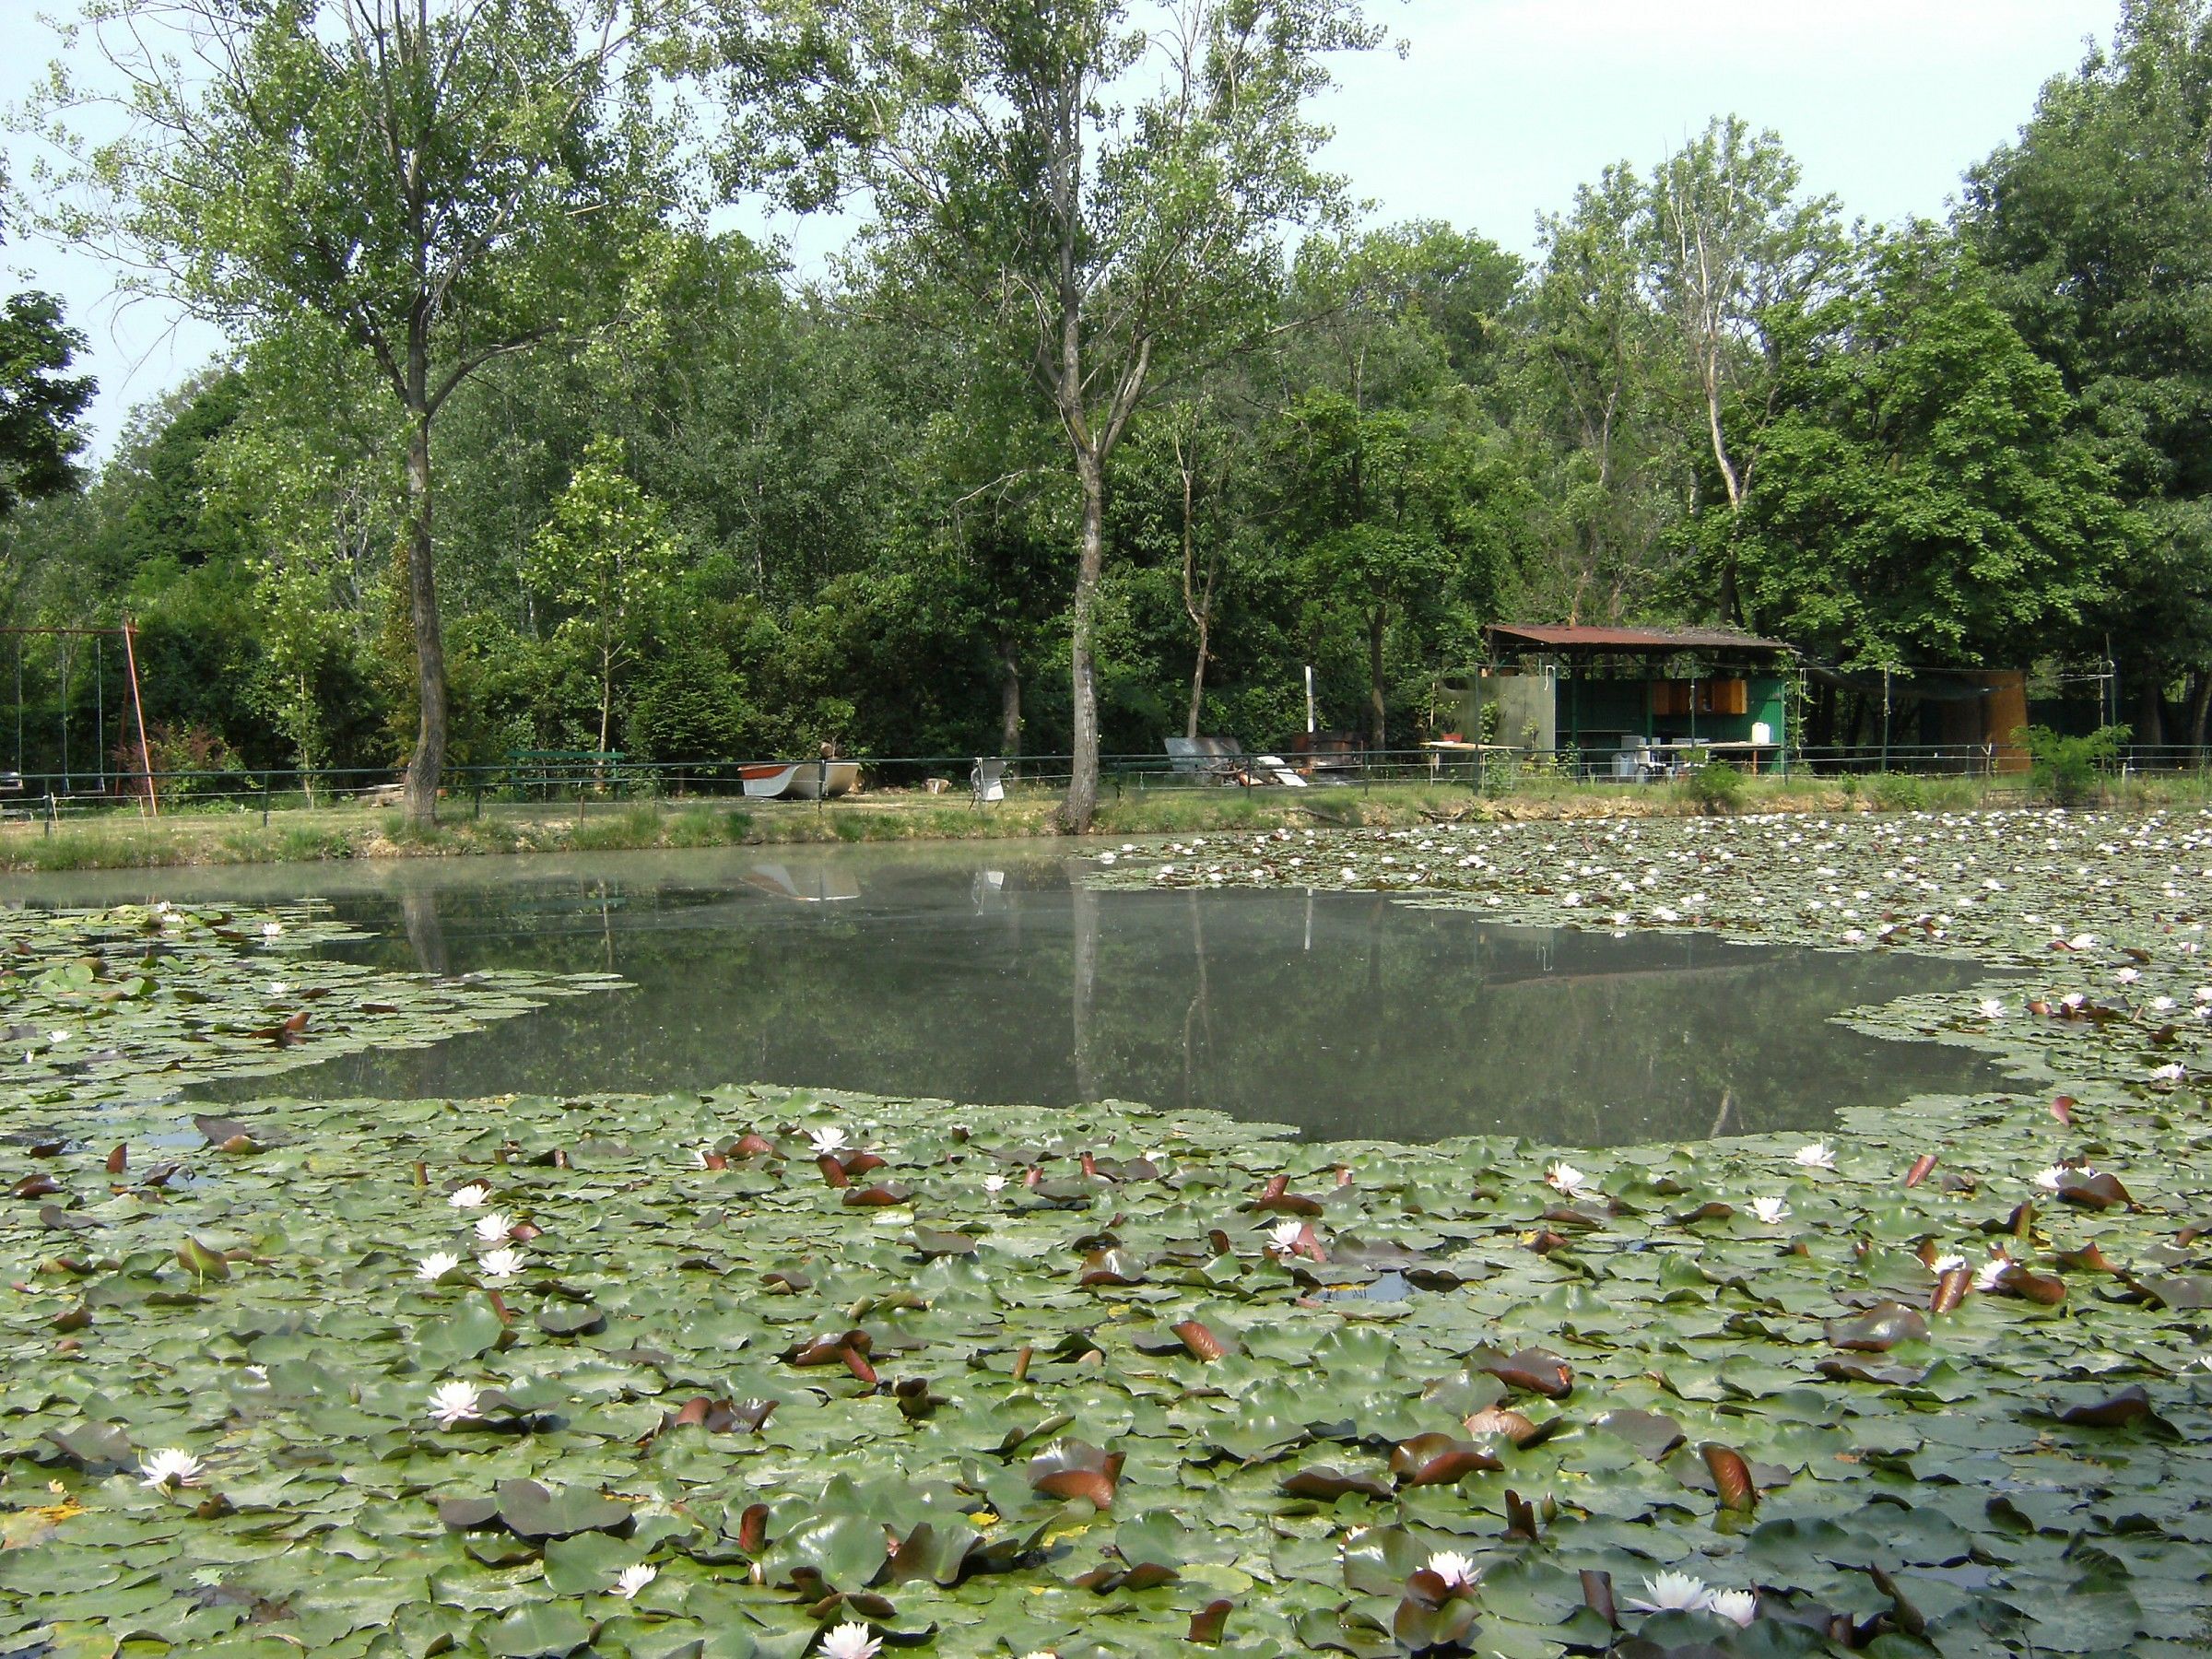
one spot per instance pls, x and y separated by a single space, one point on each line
269 784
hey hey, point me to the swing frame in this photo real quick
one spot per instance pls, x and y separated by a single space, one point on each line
127 632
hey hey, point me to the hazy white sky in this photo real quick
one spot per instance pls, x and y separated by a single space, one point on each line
1499 109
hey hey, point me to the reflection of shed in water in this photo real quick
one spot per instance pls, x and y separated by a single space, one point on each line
810 883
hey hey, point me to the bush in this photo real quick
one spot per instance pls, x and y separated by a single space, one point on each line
1714 786
2070 770
1899 792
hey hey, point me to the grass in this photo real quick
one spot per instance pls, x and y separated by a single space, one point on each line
305 835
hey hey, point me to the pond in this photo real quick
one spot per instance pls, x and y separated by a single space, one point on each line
990 974
986 972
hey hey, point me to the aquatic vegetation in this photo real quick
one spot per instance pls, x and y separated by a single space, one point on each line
141 1000
780 1373
1176 1372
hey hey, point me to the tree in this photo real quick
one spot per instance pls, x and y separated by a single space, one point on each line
1727 237
2097 228
1102 197
1594 364
1922 499
39 401
604 556
1372 503
429 184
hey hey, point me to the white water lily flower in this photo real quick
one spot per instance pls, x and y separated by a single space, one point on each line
1852 936
2128 976
1772 1211
1106 858
471 1196
633 1579
1817 1155
270 930
2160 1005
452 1403
1947 1263
828 1142
850 1641
2048 1180
172 1465
1672 1592
1568 1180
58 1036
994 1183
1458 1570
1990 1272
2082 942
501 1264
1283 1237
494 1225
1739 1607
1991 1008
2171 1072
436 1266
279 988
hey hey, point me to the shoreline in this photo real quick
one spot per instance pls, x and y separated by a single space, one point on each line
302 835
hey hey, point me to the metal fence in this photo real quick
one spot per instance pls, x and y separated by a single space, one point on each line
574 782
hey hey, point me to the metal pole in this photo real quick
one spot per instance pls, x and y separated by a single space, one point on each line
145 757
1885 720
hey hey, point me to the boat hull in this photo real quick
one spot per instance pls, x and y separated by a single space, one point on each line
823 780
766 783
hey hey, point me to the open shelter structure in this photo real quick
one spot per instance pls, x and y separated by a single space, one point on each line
1630 701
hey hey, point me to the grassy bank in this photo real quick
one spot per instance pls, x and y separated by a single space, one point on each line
119 840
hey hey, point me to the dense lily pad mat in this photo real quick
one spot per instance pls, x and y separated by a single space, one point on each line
990 1381
138 1000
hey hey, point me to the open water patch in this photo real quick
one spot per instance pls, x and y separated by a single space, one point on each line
993 974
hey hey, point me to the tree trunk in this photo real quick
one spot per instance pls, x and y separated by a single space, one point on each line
1201 613
2150 715
1375 623
428 762
1010 698
1198 679
606 707
2200 707
1082 801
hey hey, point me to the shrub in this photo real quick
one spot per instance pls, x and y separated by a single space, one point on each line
1714 786
1899 792
2070 770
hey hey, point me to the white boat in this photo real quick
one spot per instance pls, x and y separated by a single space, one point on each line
766 783
823 780
801 780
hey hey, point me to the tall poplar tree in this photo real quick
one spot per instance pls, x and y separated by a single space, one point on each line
1103 194
430 184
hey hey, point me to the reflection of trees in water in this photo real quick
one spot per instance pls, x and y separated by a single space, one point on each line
1343 1013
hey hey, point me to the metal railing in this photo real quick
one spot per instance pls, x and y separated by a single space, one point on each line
583 782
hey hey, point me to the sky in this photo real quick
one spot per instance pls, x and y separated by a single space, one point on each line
1492 115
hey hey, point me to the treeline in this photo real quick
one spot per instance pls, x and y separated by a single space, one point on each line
740 515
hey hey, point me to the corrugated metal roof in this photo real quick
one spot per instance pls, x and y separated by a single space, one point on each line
1562 637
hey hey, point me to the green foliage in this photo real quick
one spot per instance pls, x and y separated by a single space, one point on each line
1714 786
41 402
1921 496
605 557
2071 771
2097 224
